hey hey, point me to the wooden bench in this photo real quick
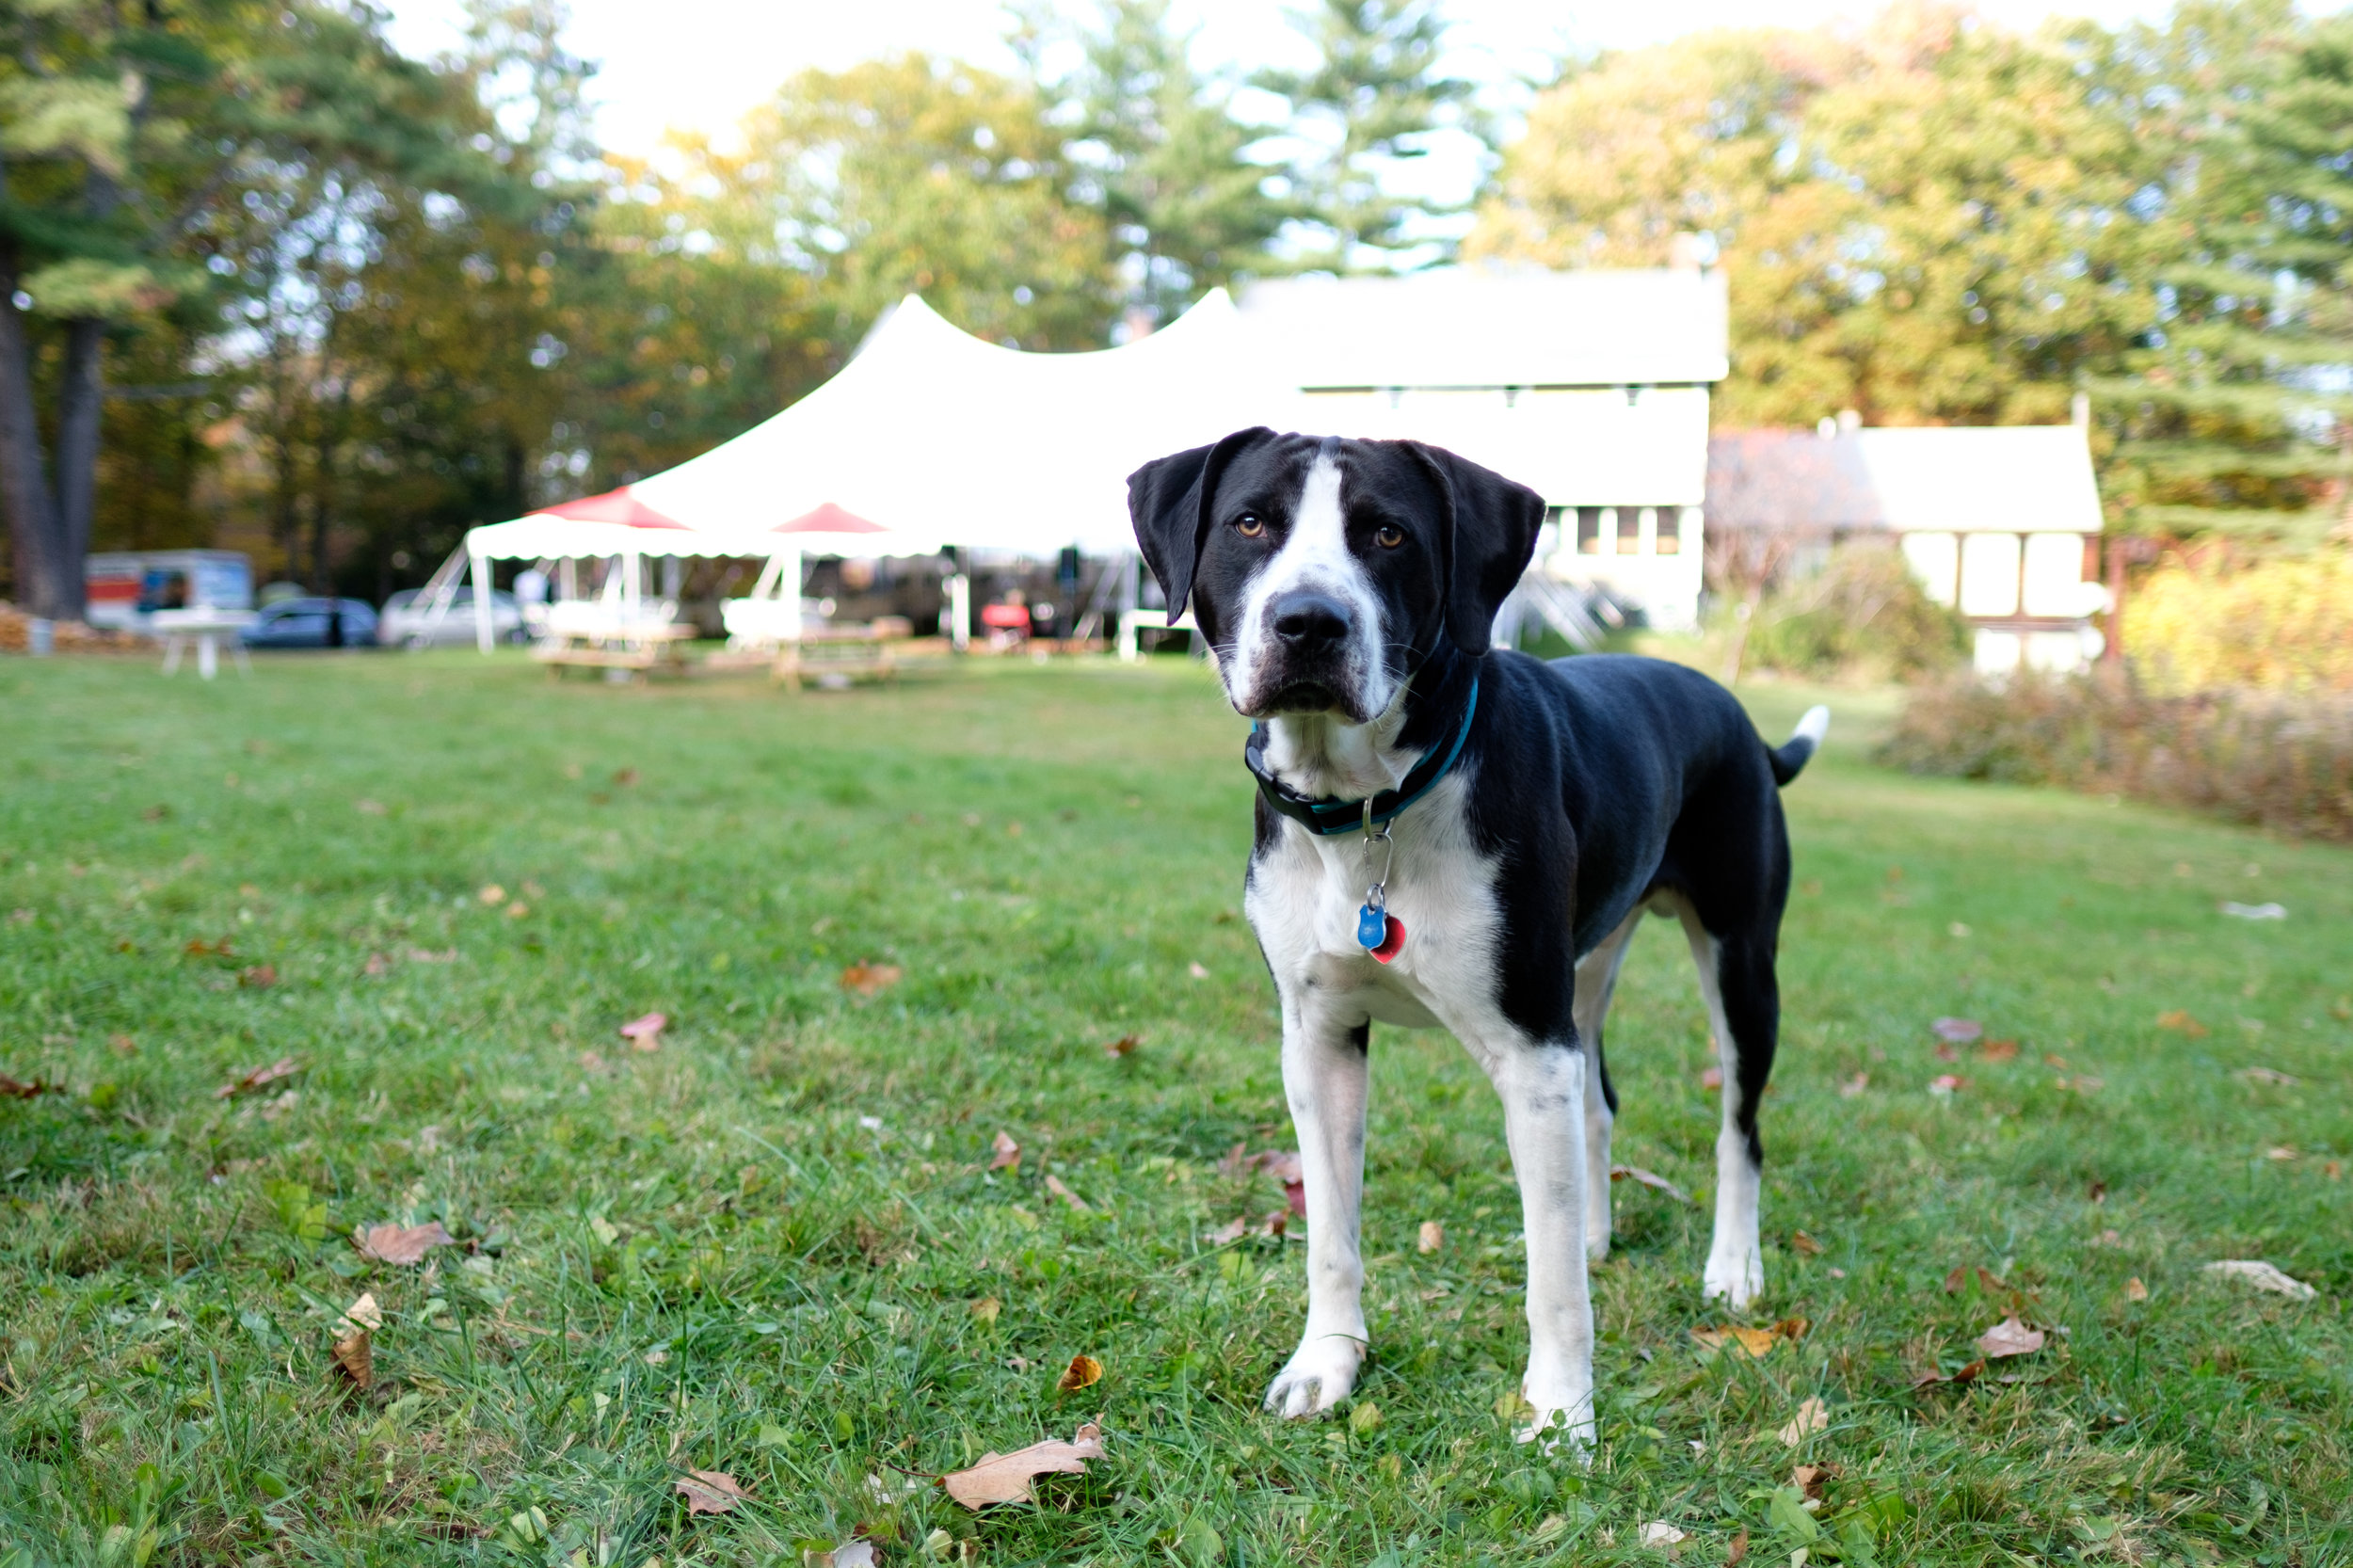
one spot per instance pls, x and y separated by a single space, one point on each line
850 651
645 649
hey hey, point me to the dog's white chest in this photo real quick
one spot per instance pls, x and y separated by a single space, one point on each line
1305 895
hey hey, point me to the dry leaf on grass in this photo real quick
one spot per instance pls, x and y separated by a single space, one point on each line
1007 1155
2263 1276
2135 1290
285 1066
17 1089
1738 1551
1854 1086
1005 1477
1084 1371
2010 1337
1948 1053
871 979
492 895
1712 1078
2181 1020
2267 1075
1197 971
260 977
1986 1277
1078 1204
646 1033
1967 1374
1957 1032
1661 1535
1810 1478
369 807
1649 1179
850 1554
1756 1341
1812 1416
1801 1242
1433 1237
986 1309
709 1491
356 1358
1998 1050
1125 1045
404 1245
364 1313
1947 1083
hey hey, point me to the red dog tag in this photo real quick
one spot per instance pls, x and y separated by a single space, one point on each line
1392 938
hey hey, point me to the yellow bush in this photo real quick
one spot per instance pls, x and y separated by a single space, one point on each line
2278 625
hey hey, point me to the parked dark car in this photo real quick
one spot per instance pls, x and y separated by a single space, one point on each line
312 623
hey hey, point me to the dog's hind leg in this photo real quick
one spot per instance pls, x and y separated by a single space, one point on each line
1596 979
1324 1077
1744 1010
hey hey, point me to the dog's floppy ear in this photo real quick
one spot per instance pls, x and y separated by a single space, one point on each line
1490 533
1168 502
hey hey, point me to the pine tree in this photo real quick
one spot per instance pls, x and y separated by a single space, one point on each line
1158 150
2238 422
1368 109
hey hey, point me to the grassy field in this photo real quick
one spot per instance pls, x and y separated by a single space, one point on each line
773 1247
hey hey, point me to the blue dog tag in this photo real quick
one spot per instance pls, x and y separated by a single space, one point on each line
1371 927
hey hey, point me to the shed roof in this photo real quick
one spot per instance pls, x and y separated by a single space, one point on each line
2034 479
1493 326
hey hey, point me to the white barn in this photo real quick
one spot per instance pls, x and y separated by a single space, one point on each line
1590 387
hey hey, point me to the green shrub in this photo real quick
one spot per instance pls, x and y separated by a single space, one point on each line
1862 616
2282 762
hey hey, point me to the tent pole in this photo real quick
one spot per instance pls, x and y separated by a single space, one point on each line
482 602
787 566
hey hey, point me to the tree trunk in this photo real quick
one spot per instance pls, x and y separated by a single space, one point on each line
79 401
23 474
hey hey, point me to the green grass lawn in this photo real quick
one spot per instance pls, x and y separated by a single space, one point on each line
773 1246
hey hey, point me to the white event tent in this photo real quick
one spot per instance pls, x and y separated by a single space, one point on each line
930 436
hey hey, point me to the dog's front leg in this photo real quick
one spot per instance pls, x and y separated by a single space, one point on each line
1543 1089
1324 1074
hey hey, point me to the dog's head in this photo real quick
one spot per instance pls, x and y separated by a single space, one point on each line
1323 571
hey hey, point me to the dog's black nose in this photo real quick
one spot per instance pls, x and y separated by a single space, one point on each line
1308 620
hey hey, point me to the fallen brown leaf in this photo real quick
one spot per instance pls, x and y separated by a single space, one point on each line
1947 1083
260 977
17 1089
377 964
1711 1077
1007 1155
2135 1290
625 778
1812 1416
871 979
1433 1237
1854 1086
364 1313
492 895
1998 1050
285 1066
1231 1232
2267 1075
646 1033
1084 1371
1125 1045
2263 1276
1810 1478
404 1245
2179 1019
1958 1031
1078 1204
1947 1051
2010 1337
1006 1477
1801 1242
986 1309
356 1357
1757 1342
709 1491
1649 1179
854 1553
1739 1549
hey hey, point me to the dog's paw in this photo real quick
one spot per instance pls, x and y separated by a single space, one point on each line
1318 1376
1561 1431
1734 1281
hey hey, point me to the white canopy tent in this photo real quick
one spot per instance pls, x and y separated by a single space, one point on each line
929 437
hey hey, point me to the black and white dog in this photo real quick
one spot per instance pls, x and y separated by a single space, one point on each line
1454 836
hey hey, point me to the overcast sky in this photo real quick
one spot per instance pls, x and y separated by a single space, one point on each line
702 63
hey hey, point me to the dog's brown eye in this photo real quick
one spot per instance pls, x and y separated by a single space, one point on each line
1389 537
1249 525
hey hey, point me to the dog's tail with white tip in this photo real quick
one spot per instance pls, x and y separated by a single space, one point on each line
1791 759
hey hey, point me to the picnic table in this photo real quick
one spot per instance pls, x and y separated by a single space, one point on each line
203 629
639 644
